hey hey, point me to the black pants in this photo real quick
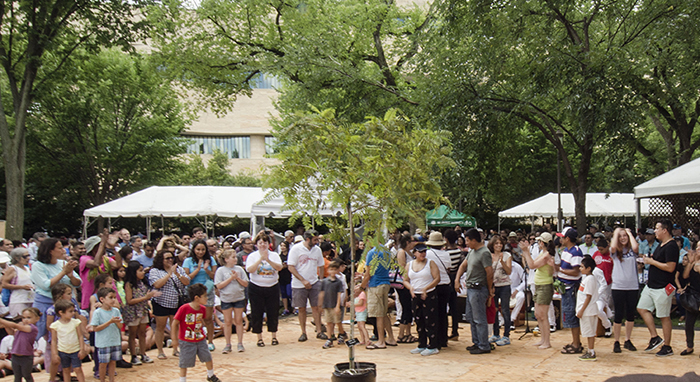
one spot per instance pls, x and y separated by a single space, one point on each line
404 296
426 319
443 297
690 318
454 312
625 303
22 367
264 300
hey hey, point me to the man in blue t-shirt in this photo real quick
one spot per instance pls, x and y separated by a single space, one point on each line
376 282
570 275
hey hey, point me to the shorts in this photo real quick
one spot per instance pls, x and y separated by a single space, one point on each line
141 320
110 353
361 316
301 295
331 316
378 301
231 305
190 350
161 311
655 299
543 294
211 298
70 360
568 307
589 326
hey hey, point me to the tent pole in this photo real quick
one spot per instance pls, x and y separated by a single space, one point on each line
532 224
253 228
499 224
206 225
109 225
148 228
638 213
85 227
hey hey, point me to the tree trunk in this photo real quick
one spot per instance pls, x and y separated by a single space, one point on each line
14 180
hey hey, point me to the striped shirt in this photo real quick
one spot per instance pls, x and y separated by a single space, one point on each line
570 259
456 257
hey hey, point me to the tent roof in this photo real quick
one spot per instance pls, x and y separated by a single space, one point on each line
681 180
444 216
597 204
274 208
184 201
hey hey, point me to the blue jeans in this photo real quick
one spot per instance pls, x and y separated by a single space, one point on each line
568 307
476 315
502 298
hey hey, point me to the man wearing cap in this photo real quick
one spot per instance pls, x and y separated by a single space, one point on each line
588 247
289 238
649 244
677 231
305 263
443 261
513 248
479 269
570 275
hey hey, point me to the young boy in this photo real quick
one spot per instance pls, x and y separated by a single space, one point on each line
189 324
586 307
107 323
331 290
67 343
603 273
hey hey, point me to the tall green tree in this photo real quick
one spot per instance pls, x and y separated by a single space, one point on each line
215 173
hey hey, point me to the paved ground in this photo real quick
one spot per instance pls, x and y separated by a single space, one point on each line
294 361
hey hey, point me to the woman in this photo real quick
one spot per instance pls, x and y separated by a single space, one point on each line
625 286
285 279
502 267
201 269
404 258
263 291
50 269
544 289
691 278
18 279
421 281
170 280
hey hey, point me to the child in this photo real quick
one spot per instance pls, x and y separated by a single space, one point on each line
67 345
231 280
136 310
61 292
586 307
342 265
23 346
188 324
103 280
603 273
107 324
119 275
330 295
361 313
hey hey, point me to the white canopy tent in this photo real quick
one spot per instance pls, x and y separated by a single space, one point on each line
681 180
274 208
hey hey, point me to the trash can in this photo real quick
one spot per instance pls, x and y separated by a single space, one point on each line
363 372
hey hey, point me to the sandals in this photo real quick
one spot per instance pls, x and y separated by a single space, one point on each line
373 347
162 356
176 353
261 343
403 339
411 339
570 349
275 342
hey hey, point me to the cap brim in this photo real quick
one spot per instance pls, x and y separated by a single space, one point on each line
560 234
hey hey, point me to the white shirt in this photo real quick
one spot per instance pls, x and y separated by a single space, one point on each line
588 286
265 275
442 260
517 278
306 261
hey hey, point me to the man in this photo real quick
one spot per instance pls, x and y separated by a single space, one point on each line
213 247
570 275
146 259
678 231
136 246
588 247
6 245
658 294
649 244
305 263
247 247
288 238
124 237
479 269
186 240
34 243
512 247
77 250
376 284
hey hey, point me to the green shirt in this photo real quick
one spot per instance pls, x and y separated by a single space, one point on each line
477 262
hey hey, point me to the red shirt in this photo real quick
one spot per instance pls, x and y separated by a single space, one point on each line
605 263
191 323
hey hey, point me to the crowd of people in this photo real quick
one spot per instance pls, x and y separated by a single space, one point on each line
99 299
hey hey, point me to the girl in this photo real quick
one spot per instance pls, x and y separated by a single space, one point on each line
135 312
231 280
60 292
103 280
23 346
625 286
119 275
67 345
361 313
201 268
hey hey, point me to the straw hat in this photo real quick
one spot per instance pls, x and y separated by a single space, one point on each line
435 239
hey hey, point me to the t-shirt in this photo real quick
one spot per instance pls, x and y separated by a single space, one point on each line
380 262
68 340
201 277
191 323
500 277
265 275
570 259
331 287
234 291
442 260
456 257
111 335
589 286
306 261
477 262
586 250
361 299
624 272
146 261
605 263
24 342
667 253
88 286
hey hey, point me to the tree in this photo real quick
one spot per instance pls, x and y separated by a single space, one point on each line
371 170
111 126
215 173
36 40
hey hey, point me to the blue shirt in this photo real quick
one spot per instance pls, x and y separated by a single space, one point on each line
111 335
201 277
380 266
146 261
42 274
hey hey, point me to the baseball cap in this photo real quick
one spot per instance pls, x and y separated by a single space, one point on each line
288 233
512 234
420 247
544 237
569 232
677 226
650 231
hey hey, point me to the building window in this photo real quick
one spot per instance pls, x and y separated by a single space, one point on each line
265 81
270 142
233 147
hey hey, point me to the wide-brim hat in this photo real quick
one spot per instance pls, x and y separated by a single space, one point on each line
4 257
544 237
435 239
91 242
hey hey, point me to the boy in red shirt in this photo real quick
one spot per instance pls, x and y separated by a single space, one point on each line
189 324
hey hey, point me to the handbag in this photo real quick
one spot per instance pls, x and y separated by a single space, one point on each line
690 300
182 297
396 280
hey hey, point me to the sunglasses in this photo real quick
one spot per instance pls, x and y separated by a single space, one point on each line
168 258
26 256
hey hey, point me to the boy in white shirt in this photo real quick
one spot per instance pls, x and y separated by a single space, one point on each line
586 307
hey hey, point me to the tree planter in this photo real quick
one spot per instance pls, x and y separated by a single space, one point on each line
363 372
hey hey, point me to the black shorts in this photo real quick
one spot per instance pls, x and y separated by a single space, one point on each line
161 311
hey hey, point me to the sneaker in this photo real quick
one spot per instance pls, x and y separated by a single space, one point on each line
169 343
608 332
479 351
470 348
654 343
665 351
227 349
321 336
135 361
552 328
285 313
213 378
628 345
503 341
333 338
241 349
616 347
123 364
417 350
341 341
512 328
588 356
328 344
536 330
212 347
146 359
494 338
342 336
428 352
302 337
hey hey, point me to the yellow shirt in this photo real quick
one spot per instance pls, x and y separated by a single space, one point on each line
68 338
